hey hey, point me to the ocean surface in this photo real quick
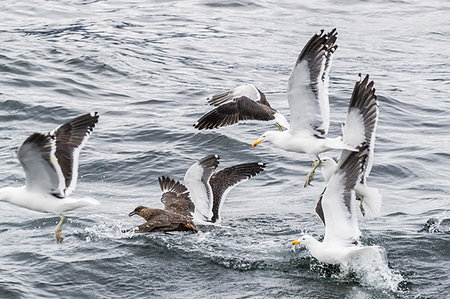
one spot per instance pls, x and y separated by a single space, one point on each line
147 68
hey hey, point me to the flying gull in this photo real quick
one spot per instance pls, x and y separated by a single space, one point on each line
307 94
50 162
360 126
341 242
200 201
245 102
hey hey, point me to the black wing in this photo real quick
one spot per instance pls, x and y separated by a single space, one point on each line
239 109
223 181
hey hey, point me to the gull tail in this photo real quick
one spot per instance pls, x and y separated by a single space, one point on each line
337 143
371 200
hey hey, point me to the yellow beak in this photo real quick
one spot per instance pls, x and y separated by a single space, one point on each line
295 242
315 163
256 143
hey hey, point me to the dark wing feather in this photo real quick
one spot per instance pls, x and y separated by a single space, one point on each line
364 104
239 109
175 197
223 181
70 138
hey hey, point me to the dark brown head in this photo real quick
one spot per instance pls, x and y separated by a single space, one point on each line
138 211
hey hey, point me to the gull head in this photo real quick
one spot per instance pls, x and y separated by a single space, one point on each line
267 136
303 240
138 211
325 162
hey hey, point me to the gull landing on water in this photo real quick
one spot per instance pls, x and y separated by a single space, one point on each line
50 162
245 102
307 94
360 126
341 242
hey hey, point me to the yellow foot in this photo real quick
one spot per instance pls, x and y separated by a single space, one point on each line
279 127
363 212
59 236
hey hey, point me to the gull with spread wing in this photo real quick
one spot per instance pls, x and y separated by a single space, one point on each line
307 94
245 102
360 125
50 162
341 242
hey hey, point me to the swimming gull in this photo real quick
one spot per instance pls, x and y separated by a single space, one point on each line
341 242
360 126
245 102
50 162
307 94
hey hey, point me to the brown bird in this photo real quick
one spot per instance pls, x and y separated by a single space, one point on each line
175 216
202 203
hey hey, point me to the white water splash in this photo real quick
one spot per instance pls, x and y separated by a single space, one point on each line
106 231
372 270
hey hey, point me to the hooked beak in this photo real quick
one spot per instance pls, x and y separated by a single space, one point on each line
295 242
131 214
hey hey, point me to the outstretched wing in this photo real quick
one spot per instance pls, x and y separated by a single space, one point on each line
223 181
361 120
247 90
196 180
239 109
175 197
50 160
307 89
338 200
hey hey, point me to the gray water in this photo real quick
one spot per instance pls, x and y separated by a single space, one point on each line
147 67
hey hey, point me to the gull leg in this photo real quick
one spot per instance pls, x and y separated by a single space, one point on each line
280 128
363 212
310 175
58 234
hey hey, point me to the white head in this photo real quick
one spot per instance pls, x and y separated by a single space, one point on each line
304 240
328 167
267 136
